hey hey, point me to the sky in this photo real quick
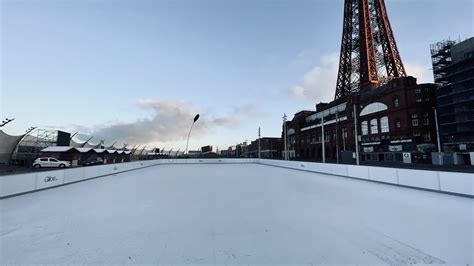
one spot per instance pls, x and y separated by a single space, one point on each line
138 71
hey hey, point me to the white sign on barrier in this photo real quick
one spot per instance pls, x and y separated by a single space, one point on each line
406 157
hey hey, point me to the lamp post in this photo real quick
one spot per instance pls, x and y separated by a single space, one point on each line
284 137
189 134
259 147
437 129
323 137
356 137
6 121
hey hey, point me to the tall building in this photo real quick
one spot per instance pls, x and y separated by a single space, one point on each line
375 101
453 69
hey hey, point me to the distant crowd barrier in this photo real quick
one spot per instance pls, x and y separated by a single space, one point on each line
448 182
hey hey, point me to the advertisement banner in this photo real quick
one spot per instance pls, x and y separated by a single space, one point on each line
49 179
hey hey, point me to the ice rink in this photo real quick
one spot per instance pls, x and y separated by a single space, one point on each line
228 213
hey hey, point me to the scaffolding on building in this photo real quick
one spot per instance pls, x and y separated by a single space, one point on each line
441 59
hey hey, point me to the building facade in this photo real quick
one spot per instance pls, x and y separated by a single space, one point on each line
453 69
270 148
395 118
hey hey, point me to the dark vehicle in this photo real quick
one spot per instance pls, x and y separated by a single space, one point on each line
93 161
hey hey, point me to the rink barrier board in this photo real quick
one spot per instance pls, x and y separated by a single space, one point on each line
446 182
461 184
18 184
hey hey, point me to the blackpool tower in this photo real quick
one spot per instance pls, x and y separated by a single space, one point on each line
369 54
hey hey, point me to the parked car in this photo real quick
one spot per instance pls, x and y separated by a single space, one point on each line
50 162
93 161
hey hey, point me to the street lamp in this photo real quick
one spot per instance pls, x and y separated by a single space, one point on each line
437 129
285 137
259 147
189 134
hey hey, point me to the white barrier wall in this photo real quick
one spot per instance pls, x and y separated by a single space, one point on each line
460 183
457 182
14 184
21 183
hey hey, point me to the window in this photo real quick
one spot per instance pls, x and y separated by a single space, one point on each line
419 100
417 91
327 137
373 108
427 136
426 121
384 128
425 114
374 127
44 159
427 99
53 160
416 133
398 124
365 128
414 120
396 103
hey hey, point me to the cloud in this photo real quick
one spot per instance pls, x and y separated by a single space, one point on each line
226 121
249 110
319 83
169 122
422 73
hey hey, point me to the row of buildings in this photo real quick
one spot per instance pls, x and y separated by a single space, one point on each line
387 122
266 147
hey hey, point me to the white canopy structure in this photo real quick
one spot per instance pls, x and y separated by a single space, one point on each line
7 146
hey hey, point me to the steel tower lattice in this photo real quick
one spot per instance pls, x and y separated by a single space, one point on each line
369 54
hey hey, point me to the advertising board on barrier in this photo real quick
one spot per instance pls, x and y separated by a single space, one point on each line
49 179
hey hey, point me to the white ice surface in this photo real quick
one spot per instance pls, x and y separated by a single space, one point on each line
235 214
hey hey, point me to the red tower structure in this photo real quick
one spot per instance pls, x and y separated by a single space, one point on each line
379 113
369 54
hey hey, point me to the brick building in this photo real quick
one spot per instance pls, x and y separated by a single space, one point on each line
394 118
269 148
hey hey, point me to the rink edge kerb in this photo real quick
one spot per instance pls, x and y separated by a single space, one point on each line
376 181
